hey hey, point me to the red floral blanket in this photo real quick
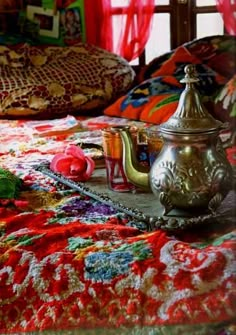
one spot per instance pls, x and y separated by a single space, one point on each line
71 265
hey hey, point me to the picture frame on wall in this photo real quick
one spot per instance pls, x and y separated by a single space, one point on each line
47 20
71 22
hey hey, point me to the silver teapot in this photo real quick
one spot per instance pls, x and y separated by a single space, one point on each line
191 173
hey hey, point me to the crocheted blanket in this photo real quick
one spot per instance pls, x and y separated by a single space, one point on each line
71 265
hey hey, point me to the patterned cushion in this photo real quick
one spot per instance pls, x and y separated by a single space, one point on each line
152 101
174 66
225 102
61 80
176 63
155 99
217 52
13 57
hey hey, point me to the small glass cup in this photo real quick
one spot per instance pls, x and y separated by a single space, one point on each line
113 155
155 143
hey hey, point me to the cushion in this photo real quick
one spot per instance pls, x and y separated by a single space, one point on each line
225 102
13 57
176 63
52 81
156 99
147 70
152 101
217 52
209 79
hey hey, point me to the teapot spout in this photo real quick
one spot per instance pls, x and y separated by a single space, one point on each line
135 173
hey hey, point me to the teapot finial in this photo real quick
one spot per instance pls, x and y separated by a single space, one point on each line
190 74
191 116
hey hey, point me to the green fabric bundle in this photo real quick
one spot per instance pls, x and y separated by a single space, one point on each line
10 184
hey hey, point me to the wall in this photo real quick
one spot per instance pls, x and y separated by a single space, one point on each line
39 19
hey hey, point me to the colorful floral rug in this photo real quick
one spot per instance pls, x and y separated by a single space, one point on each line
71 265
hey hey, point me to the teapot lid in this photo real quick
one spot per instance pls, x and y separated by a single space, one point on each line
190 116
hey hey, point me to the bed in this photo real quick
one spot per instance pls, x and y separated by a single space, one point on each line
71 264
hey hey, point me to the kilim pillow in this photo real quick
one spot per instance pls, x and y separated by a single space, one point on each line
225 102
154 100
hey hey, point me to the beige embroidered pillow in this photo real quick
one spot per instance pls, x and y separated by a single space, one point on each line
63 80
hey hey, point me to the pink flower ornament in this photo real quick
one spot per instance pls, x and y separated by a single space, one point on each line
73 164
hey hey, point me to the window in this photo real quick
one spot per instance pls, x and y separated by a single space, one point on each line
174 23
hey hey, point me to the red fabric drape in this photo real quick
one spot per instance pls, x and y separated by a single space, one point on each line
132 29
228 10
135 28
99 23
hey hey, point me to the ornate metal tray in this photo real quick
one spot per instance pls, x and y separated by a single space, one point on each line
143 207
